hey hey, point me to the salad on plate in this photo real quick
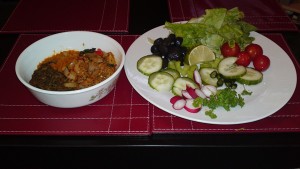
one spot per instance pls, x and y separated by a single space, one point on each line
203 61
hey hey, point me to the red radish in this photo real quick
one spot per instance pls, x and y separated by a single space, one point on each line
197 78
192 92
209 90
186 94
179 104
200 93
190 107
174 99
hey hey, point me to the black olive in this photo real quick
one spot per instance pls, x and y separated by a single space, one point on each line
158 41
174 54
163 49
178 41
165 62
172 37
181 61
183 50
166 42
155 49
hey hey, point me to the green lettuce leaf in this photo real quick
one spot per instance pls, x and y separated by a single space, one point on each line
214 28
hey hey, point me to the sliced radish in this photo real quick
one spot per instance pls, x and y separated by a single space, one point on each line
197 78
174 99
192 92
179 104
200 93
209 90
186 94
212 88
190 107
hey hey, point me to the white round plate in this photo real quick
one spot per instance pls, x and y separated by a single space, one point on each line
269 96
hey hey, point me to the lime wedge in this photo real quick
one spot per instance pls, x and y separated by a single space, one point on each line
199 54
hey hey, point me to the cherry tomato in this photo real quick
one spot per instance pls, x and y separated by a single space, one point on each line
254 50
261 62
228 50
244 59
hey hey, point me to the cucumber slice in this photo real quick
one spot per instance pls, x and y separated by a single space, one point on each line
181 83
161 81
172 72
229 69
252 77
149 64
205 76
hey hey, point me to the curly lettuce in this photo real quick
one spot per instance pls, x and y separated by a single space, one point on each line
214 28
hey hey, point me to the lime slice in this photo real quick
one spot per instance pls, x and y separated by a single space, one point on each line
199 54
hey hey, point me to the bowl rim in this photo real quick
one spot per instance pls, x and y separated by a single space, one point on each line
116 73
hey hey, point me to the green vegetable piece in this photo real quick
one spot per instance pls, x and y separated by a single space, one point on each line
212 64
171 64
211 114
185 69
178 67
212 29
172 72
226 98
182 70
149 64
246 92
213 74
191 70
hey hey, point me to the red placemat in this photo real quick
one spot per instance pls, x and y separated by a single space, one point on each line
287 119
122 112
67 15
266 15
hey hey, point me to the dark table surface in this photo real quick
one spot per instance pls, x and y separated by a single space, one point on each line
263 150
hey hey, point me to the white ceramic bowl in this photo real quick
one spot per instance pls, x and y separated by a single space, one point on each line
76 40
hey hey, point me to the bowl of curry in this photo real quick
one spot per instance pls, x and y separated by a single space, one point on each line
71 69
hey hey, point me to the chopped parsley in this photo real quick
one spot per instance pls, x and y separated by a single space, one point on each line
246 92
211 114
226 98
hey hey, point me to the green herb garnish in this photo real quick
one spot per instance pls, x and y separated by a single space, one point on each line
226 98
246 92
92 50
211 114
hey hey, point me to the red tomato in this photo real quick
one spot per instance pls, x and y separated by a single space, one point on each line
261 62
227 50
99 52
243 59
254 50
